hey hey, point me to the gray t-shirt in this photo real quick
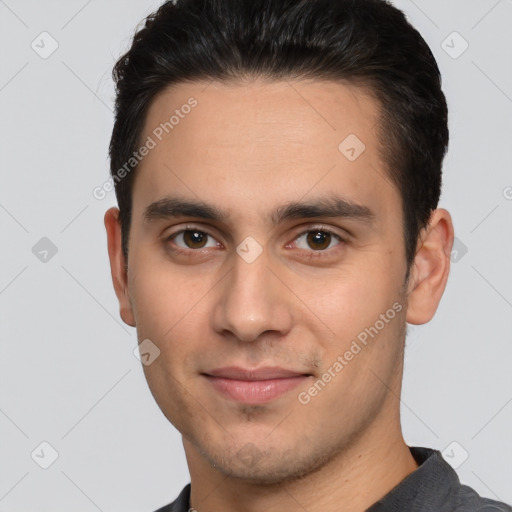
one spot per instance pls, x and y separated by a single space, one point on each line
433 487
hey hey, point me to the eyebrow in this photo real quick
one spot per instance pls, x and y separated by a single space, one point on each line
331 206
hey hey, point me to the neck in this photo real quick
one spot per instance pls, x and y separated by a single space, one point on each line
352 481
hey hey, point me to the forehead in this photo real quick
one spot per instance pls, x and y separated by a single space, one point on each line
262 142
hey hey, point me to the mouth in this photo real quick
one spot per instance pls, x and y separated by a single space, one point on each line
256 386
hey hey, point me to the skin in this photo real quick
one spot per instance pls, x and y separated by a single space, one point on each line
248 147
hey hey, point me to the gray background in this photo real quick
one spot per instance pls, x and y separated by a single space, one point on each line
68 374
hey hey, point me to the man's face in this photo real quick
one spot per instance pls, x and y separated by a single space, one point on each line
253 290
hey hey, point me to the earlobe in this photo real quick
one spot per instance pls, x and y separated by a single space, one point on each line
430 269
118 265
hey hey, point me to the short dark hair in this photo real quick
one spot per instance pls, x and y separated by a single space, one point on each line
366 42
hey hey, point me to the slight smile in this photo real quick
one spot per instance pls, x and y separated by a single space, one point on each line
256 386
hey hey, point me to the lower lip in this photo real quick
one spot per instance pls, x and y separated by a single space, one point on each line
254 391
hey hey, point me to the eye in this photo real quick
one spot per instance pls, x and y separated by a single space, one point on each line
318 239
315 241
191 238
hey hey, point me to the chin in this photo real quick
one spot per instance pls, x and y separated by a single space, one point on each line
266 467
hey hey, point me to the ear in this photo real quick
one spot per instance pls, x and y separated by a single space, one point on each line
430 269
118 265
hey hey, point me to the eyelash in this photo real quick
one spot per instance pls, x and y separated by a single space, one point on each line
311 253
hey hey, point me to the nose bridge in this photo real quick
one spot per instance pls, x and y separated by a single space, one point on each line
252 299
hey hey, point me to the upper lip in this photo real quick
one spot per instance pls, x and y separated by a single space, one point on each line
264 373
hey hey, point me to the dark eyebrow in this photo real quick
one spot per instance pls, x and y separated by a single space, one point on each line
322 207
170 207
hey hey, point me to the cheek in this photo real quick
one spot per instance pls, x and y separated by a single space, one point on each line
160 298
170 392
168 311
346 302
361 364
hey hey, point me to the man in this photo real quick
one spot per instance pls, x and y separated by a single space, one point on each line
277 166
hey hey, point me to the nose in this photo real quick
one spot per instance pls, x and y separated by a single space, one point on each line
253 300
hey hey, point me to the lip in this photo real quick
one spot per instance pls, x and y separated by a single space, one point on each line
263 373
255 386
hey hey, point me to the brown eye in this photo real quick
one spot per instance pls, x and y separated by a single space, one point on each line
318 239
194 239
191 239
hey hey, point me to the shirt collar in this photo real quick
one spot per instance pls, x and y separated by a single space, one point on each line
430 487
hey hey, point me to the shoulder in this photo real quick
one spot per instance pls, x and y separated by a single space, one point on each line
181 503
470 501
435 485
